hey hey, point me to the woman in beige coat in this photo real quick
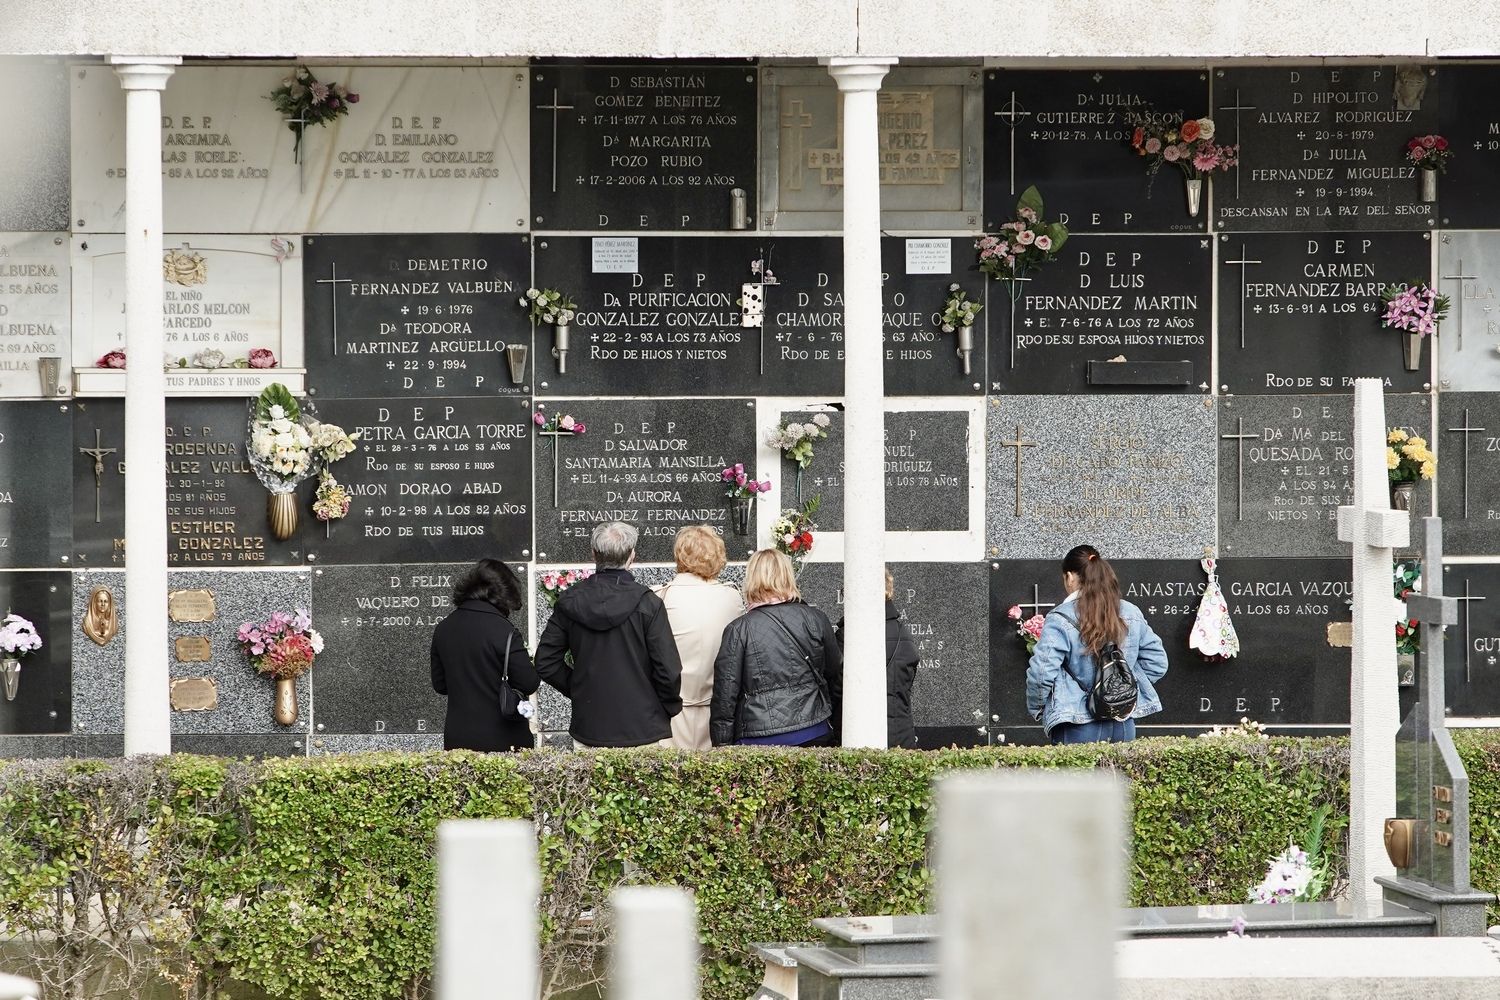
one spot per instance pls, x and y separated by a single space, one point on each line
698 607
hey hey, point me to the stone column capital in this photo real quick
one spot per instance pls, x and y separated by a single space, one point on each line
856 73
144 72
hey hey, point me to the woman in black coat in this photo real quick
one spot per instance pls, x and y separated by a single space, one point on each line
469 659
901 661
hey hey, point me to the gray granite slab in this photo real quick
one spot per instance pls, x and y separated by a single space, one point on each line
926 471
1467 436
1134 476
36 487
34 174
331 743
1286 463
44 698
33 747
242 744
1469 274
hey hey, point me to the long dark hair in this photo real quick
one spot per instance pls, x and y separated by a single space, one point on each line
489 580
1099 618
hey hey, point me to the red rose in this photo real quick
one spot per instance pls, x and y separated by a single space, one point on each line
1415 142
1190 130
1428 141
1139 137
1442 143
1400 629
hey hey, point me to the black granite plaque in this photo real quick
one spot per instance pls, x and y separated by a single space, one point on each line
35 523
1286 463
1301 313
926 471
1065 131
654 463
1143 299
44 690
1468 197
1468 442
433 480
920 359
1321 148
1472 646
1286 673
375 672
642 146
415 315
259 745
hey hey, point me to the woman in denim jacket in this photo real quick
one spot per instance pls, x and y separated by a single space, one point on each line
1062 665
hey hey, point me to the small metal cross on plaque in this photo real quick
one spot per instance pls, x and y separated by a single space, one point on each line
1460 277
1467 599
556 436
1466 430
1014 291
554 107
1237 107
301 130
334 281
1018 444
1012 111
1037 604
1243 262
1239 437
97 452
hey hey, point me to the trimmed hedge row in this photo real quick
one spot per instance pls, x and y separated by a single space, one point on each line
314 877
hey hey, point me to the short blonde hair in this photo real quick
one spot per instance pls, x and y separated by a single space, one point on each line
770 578
890 585
699 550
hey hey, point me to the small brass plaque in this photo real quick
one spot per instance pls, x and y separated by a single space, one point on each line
1442 838
1442 793
1443 815
1341 634
194 694
193 649
196 606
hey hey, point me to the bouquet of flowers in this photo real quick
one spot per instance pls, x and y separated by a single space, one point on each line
1408 581
111 359
1296 875
1407 458
331 501
1187 144
1429 152
18 637
283 646
548 305
741 486
1030 630
304 100
796 440
792 532
558 423
959 310
1415 308
281 448
554 582
1023 245
330 444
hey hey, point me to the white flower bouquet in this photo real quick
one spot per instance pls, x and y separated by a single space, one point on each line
281 445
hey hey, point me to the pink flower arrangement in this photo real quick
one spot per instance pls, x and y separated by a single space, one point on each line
112 359
1023 244
282 646
1416 308
261 357
1430 152
1030 630
555 582
741 486
558 423
1185 143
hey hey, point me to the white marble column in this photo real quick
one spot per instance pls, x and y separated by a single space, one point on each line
864 406
148 726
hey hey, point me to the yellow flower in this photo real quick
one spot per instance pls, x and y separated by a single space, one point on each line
1429 468
1396 436
1413 450
1420 442
1391 461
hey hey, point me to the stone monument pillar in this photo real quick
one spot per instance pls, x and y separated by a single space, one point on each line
148 727
859 81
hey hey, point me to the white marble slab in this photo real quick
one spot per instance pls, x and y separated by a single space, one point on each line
34 281
1468 341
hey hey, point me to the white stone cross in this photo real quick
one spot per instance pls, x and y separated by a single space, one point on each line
1374 530
487 927
655 951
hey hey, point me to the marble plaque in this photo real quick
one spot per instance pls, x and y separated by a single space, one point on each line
1472 650
426 149
655 463
35 486
34 170
1134 476
1468 449
375 674
34 318
44 694
1286 463
1468 345
224 296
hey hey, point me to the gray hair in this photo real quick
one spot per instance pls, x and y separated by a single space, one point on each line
613 543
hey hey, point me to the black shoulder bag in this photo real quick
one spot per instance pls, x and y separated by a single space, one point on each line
1112 698
510 702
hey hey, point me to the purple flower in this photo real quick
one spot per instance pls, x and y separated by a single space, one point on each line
539 418
353 98
728 474
739 479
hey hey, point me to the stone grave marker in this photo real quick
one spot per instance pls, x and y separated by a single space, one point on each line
414 316
433 480
35 321
1466 193
35 526
1468 441
655 463
1321 148
1472 644
44 690
375 674
1111 314
1301 313
1469 274
1134 476
920 359
1286 464
1066 131
34 174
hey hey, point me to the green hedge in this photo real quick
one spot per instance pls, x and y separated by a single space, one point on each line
314 877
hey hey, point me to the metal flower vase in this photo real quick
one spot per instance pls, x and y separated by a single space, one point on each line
1194 195
285 709
739 515
1411 351
1401 495
561 337
10 669
1429 184
281 514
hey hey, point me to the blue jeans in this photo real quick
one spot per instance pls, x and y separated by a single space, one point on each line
1093 732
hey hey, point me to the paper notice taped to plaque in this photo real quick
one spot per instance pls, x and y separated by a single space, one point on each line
929 257
617 254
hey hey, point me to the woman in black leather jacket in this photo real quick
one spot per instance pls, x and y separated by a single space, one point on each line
779 675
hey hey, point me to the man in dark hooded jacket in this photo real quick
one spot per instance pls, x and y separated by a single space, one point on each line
625 680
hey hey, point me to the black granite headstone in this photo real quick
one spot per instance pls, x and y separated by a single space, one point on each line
408 316
433 480
920 359
642 146
1472 652
1066 132
654 463
44 691
1468 197
35 509
375 672
1468 439
926 471
1144 299
1300 313
1286 463
1321 148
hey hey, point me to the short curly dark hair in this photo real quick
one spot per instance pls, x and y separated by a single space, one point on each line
490 580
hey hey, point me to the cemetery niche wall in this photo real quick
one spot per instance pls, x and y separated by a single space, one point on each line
1174 383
